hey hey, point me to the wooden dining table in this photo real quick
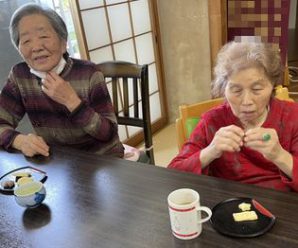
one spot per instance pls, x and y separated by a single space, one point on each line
97 201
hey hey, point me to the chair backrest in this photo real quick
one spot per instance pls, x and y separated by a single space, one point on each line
282 93
128 80
189 115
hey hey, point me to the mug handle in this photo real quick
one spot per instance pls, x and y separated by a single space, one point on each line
207 210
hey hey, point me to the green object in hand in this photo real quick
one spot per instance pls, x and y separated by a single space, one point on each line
190 124
266 137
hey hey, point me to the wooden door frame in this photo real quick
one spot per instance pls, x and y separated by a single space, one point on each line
217 13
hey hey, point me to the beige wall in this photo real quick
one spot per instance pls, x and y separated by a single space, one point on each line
184 30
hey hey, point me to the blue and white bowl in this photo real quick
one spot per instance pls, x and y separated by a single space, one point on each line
30 195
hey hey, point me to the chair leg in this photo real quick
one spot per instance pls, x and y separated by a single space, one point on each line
150 154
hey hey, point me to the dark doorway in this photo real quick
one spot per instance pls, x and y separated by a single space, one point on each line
8 54
293 46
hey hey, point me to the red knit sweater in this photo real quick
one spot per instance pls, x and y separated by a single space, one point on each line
247 166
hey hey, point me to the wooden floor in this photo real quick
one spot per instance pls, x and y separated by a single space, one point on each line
165 145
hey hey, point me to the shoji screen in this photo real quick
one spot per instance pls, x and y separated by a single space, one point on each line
123 30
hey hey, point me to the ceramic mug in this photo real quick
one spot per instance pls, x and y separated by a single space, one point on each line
185 213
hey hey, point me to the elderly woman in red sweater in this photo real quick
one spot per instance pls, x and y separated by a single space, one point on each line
252 137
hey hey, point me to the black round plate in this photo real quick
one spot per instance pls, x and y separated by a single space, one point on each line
222 219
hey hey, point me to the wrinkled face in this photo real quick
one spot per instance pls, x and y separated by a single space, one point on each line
40 46
248 92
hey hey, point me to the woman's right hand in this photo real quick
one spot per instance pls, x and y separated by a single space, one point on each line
31 144
226 139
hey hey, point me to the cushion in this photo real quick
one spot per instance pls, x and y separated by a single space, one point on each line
131 153
190 124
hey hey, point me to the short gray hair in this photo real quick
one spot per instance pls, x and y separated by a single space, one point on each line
236 56
30 9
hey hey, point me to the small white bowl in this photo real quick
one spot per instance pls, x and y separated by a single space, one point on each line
30 195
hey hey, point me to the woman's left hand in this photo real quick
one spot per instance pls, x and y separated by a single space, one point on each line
265 141
60 91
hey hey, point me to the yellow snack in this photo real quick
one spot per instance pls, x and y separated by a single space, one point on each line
24 180
245 216
21 174
244 206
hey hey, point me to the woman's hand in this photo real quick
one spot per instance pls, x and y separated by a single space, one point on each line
226 139
270 147
254 139
31 145
60 91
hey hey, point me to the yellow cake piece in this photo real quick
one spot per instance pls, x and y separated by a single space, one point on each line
21 174
244 206
245 216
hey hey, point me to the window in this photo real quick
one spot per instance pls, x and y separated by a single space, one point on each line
124 30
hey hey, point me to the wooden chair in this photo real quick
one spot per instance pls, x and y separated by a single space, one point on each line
128 80
283 93
189 115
